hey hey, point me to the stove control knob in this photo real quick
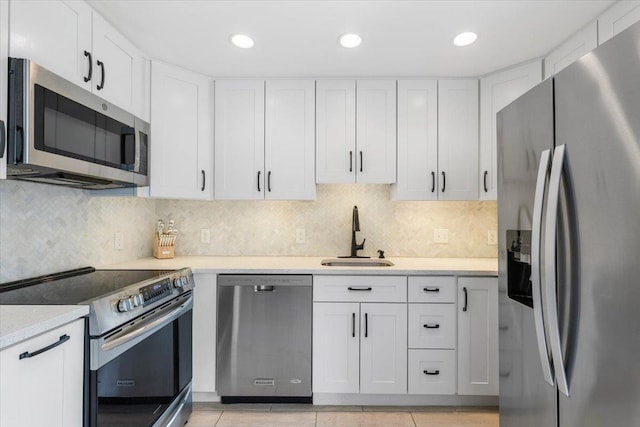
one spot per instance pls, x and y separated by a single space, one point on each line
186 279
125 304
177 282
137 300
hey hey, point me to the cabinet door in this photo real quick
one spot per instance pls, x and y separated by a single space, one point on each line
336 349
181 132
458 139
117 65
4 52
383 359
55 34
581 43
618 17
376 132
478 336
335 131
239 140
45 389
496 92
290 140
204 332
417 140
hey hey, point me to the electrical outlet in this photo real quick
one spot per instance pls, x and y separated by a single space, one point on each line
492 237
118 237
440 235
205 235
300 235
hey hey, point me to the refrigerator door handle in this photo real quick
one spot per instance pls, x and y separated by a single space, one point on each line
551 228
536 281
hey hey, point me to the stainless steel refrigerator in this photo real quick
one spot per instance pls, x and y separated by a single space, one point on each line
569 245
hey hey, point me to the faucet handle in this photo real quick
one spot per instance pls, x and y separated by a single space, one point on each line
361 245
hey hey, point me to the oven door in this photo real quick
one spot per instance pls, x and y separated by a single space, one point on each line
144 374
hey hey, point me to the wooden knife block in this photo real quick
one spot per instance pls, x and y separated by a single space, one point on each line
162 252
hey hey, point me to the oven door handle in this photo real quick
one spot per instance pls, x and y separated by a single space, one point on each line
157 323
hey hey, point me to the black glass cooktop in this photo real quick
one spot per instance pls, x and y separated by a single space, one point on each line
72 287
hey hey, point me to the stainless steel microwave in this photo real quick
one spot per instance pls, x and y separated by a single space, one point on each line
59 133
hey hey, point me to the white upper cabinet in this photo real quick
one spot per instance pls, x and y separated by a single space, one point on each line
290 140
117 66
264 144
457 140
376 131
64 48
335 131
496 92
617 18
344 109
417 140
81 47
581 43
239 140
181 158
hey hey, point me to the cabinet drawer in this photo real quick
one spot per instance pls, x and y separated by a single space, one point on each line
432 326
432 371
360 288
432 289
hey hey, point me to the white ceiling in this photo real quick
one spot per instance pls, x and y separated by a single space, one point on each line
299 37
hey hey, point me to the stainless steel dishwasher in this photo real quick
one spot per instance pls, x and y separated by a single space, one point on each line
264 338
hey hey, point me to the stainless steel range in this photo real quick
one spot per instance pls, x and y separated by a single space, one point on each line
139 340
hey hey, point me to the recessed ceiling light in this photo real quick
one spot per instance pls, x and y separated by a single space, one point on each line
350 40
241 40
465 39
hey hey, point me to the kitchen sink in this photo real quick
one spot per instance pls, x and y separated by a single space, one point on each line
356 262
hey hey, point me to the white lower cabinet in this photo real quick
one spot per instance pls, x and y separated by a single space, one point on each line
432 371
359 348
336 347
204 332
44 389
359 340
478 336
383 348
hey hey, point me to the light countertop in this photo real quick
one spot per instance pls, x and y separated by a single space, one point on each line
311 265
21 322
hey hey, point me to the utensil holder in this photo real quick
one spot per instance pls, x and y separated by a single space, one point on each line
162 252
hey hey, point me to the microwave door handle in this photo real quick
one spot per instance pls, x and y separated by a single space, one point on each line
536 282
128 147
3 138
551 227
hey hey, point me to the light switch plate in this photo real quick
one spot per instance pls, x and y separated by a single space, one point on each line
205 235
441 235
300 236
492 237
118 238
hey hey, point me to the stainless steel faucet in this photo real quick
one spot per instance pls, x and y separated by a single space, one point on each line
355 226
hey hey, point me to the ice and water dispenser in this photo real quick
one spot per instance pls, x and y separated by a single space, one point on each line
519 266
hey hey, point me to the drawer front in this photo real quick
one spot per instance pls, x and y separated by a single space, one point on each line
432 326
360 288
434 289
432 371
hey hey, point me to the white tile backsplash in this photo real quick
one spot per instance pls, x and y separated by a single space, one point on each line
44 228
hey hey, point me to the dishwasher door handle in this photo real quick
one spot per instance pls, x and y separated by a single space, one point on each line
264 288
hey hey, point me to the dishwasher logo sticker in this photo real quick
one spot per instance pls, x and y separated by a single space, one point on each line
126 383
264 381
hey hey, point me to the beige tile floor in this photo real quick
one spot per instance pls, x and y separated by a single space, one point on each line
216 415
